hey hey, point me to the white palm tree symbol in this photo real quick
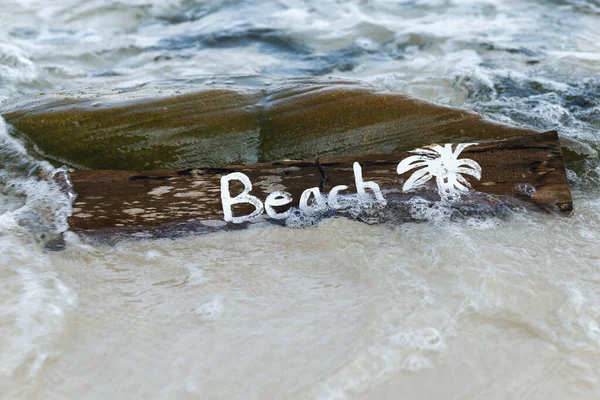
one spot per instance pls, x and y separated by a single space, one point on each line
443 164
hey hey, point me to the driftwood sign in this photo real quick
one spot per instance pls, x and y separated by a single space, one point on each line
525 171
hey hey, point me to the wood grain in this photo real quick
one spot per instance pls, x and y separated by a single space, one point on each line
526 171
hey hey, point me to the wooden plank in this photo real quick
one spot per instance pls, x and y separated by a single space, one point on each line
525 171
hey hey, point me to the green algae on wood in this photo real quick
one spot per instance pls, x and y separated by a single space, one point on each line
303 119
210 126
245 120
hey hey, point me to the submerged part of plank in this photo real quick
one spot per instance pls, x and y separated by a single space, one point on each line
525 171
175 125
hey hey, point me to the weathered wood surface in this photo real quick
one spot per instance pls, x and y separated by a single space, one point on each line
235 121
524 171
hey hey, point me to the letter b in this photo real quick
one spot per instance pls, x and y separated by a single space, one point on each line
243 197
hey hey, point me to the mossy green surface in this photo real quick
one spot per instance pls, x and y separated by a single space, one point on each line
211 127
219 126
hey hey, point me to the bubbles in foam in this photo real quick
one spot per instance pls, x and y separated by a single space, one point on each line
301 219
483 223
152 255
525 189
47 191
211 310
416 362
427 339
423 210
196 274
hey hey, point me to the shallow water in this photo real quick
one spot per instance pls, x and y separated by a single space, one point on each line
494 308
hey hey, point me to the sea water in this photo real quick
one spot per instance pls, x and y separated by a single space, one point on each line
493 308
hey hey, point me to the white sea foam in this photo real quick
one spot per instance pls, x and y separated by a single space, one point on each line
47 191
34 302
211 310
33 299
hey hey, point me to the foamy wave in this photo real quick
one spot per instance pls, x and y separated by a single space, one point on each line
33 303
15 69
46 192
